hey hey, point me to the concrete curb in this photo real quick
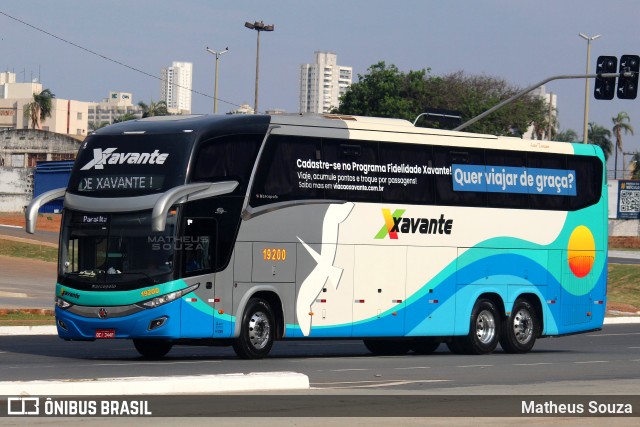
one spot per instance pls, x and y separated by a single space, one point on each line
255 381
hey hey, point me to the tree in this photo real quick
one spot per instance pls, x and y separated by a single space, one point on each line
93 126
620 124
568 135
125 117
39 108
600 136
387 92
154 109
635 166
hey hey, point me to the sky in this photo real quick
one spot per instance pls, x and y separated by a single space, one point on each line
521 41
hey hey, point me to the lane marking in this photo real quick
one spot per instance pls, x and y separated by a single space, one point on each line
415 367
10 226
157 363
594 361
532 364
474 366
373 384
349 369
614 335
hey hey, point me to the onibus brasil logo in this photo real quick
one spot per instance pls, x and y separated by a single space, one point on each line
397 222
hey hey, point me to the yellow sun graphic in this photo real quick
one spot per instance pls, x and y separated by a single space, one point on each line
581 251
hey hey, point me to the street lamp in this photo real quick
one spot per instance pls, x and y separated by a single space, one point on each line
258 26
586 88
215 86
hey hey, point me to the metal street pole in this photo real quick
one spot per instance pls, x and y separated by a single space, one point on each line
215 87
258 26
585 137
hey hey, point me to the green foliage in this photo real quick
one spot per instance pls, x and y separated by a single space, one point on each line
620 125
600 136
568 135
387 92
635 166
154 109
39 108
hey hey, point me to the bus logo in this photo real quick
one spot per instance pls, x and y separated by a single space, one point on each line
109 156
389 224
396 223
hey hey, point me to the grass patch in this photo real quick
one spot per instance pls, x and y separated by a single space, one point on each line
624 284
28 250
28 317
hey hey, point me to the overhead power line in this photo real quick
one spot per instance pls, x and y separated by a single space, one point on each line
108 58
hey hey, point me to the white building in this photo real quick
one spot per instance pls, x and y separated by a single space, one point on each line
175 87
111 108
68 117
322 83
551 100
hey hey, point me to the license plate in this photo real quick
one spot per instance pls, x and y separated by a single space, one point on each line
105 333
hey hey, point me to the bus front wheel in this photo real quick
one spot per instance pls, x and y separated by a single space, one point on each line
521 329
256 331
152 349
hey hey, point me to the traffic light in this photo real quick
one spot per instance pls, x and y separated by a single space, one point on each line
605 86
628 85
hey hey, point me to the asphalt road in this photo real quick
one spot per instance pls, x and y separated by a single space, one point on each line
610 357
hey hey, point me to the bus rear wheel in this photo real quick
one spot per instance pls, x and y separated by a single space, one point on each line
484 330
520 330
256 332
152 349
388 347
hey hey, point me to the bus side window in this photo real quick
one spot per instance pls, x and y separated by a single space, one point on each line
227 158
445 157
357 155
415 187
508 199
284 162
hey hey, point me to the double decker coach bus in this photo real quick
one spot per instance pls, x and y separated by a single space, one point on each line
243 230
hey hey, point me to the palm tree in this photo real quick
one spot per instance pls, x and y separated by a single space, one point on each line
635 166
154 109
93 126
39 108
601 136
620 124
125 117
568 135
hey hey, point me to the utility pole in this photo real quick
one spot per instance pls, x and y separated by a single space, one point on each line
215 87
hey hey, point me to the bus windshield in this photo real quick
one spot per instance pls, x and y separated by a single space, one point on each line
118 249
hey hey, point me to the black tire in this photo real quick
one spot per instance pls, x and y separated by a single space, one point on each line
520 330
388 347
151 348
425 345
256 332
484 329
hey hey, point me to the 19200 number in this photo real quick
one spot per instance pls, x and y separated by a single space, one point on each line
273 254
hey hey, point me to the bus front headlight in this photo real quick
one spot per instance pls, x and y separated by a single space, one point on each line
166 298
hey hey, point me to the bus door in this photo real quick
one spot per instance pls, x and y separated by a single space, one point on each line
198 247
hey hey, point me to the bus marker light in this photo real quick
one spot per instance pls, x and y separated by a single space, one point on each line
359 301
551 301
321 300
220 311
216 300
394 313
588 314
396 301
598 302
433 301
311 313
